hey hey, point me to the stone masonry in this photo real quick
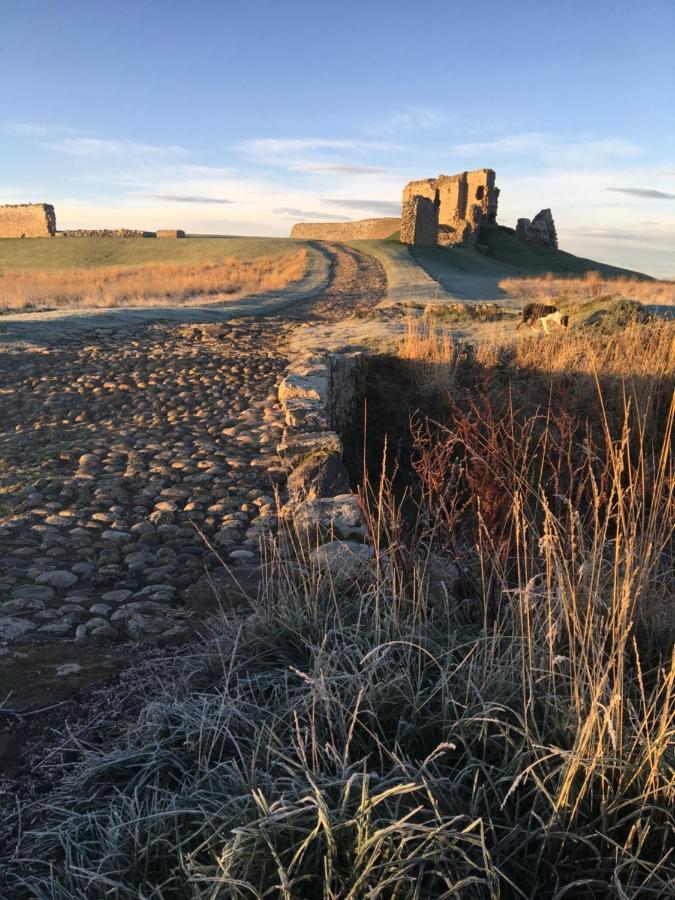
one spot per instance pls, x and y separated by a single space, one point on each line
364 229
419 222
540 231
464 203
27 220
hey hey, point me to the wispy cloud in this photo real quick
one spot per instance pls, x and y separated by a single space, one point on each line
383 207
30 129
181 198
334 168
417 118
646 193
322 156
97 147
551 149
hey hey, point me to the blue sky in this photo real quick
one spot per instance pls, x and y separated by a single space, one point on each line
244 117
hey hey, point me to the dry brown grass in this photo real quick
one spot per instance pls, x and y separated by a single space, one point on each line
590 287
150 284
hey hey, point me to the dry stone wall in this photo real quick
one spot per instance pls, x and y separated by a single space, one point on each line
27 220
364 229
319 398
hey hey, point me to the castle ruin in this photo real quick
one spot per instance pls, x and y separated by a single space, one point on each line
450 209
30 220
540 231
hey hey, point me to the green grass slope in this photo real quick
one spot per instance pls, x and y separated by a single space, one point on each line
507 257
91 252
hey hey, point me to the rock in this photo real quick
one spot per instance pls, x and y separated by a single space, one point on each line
307 414
296 446
68 669
59 579
343 561
443 579
304 387
319 475
318 521
30 592
21 605
11 628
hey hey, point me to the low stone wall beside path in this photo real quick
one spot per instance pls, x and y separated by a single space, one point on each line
319 397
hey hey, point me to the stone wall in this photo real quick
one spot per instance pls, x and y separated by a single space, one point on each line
364 229
464 203
419 221
540 231
106 233
27 220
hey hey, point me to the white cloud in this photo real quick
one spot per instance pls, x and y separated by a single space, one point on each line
29 129
322 156
96 147
417 118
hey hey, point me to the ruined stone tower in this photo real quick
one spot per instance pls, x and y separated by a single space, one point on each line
456 208
27 220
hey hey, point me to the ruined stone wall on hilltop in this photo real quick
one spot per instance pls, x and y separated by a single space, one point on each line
363 230
465 202
540 231
419 221
27 220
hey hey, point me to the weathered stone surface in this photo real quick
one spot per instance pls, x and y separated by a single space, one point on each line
343 561
319 475
27 220
308 414
59 578
419 222
463 203
317 521
364 229
11 628
297 446
304 387
540 231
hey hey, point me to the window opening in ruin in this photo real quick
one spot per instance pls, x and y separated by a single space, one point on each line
480 192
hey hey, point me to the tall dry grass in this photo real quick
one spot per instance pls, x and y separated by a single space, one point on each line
487 710
590 287
150 284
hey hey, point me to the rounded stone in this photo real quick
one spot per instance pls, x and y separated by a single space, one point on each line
59 578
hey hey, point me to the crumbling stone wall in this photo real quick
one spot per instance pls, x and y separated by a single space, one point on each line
27 220
464 202
107 233
540 231
362 230
419 221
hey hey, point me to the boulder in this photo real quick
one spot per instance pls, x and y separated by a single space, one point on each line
297 446
318 521
342 561
318 475
304 387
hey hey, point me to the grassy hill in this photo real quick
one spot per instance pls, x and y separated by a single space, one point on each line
508 257
91 252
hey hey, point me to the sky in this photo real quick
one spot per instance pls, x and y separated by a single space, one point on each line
246 116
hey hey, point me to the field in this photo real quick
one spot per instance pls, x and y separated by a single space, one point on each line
484 708
82 273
